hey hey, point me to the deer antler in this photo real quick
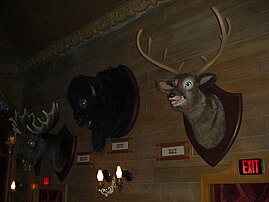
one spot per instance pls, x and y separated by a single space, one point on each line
153 61
26 123
223 37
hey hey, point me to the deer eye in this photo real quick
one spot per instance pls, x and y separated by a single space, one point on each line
188 84
82 104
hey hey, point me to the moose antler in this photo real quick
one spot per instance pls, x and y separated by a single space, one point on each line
25 123
224 38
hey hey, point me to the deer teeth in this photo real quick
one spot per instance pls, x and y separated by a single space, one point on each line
177 100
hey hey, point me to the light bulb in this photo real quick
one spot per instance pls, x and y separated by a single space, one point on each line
119 172
13 185
100 175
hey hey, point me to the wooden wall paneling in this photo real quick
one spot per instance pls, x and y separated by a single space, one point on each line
189 29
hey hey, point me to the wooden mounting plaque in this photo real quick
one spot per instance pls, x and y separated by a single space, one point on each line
233 107
172 151
71 145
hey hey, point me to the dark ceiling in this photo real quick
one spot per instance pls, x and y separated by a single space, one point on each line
31 25
34 32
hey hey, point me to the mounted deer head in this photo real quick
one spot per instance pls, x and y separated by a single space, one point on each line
39 142
185 92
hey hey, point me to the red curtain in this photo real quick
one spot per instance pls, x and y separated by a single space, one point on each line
241 192
254 192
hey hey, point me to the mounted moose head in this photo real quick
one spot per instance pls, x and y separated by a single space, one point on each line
185 92
40 143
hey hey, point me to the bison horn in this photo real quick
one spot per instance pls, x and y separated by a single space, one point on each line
93 91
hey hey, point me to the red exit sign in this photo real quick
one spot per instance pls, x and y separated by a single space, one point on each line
46 180
251 166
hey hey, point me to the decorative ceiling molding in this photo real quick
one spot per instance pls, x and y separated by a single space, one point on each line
90 31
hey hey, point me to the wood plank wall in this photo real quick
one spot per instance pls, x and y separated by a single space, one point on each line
189 29
11 86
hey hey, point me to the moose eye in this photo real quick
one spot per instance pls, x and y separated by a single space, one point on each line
31 143
82 104
188 84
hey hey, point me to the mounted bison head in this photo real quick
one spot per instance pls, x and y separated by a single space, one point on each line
40 143
107 104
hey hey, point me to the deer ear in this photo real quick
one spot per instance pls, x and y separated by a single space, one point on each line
207 80
162 86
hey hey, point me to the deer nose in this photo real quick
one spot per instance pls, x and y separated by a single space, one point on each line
171 95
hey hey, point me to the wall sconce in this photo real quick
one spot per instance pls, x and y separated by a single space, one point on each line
11 141
17 189
116 182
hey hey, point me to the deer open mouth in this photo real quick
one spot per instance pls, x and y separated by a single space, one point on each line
177 100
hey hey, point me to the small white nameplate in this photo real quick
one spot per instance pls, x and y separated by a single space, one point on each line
83 158
172 151
116 146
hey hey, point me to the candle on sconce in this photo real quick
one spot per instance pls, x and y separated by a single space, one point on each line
13 186
112 181
119 172
100 175
11 139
